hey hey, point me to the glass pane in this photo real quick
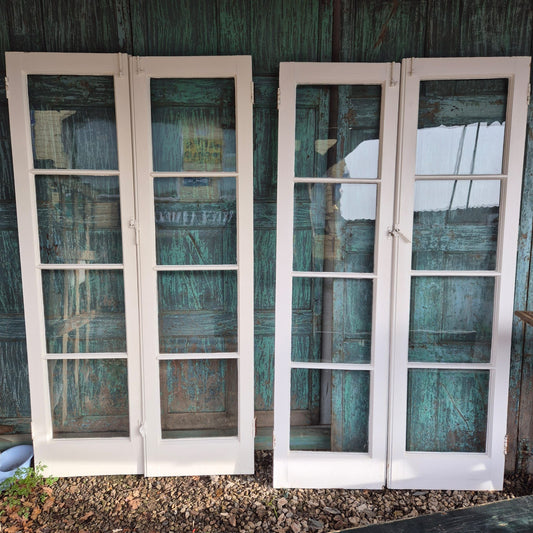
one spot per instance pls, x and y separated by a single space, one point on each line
455 225
197 312
89 397
84 311
79 219
461 126
195 221
329 410
447 410
73 122
451 319
334 227
198 398
331 320
337 131
193 124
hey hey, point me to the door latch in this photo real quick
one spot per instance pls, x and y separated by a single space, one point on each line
396 232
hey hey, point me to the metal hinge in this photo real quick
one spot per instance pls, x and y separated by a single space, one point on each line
252 95
6 79
142 429
121 59
393 82
528 94
279 97
255 426
138 65
506 445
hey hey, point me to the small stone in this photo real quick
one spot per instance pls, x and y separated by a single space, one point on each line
331 510
296 527
282 502
315 524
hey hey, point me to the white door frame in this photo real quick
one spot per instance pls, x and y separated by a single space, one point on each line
213 455
73 456
442 470
316 469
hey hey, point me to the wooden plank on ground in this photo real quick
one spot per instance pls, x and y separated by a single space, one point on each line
509 515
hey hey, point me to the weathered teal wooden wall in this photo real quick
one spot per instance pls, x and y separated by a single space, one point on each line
271 31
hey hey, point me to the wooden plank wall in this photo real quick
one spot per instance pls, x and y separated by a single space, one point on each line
271 31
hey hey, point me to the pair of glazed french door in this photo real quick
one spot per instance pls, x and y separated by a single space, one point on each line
133 183
398 206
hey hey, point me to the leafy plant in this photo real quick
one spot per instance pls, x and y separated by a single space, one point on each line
25 494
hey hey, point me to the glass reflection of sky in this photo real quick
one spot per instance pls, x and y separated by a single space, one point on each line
474 149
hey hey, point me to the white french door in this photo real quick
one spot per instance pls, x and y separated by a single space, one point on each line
462 130
75 198
197 297
435 246
337 124
138 288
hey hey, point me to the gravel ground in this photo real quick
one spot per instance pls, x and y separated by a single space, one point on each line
236 503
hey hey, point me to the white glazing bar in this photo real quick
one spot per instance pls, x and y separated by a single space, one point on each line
198 268
196 355
340 275
332 366
451 366
84 355
194 174
81 266
461 177
333 181
73 172
456 273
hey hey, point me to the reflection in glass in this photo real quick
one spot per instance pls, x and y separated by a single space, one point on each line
89 397
455 225
461 127
73 122
198 398
329 410
447 410
197 311
334 227
79 219
193 124
342 332
337 131
84 311
451 319
195 221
